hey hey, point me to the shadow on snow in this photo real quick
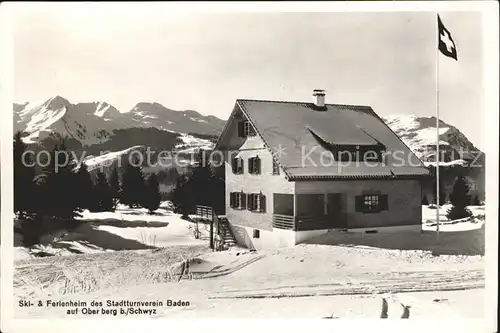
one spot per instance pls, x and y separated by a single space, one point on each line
467 242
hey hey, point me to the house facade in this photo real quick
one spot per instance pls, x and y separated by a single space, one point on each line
296 170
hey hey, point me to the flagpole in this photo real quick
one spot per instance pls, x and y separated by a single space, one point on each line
437 130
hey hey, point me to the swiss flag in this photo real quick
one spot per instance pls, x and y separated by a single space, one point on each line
446 44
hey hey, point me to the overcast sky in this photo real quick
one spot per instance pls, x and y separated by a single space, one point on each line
206 61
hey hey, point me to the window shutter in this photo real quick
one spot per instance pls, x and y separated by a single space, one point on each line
257 165
241 129
359 203
250 165
243 201
262 199
233 165
231 199
384 203
249 201
242 161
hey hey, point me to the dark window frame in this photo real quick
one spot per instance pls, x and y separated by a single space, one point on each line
371 203
245 129
237 200
256 202
256 233
254 165
248 129
237 165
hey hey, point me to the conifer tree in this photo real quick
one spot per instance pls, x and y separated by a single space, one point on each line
152 197
103 195
133 186
459 199
114 184
182 197
202 187
23 178
84 192
201 181
32 229
59 185
68 183
425 202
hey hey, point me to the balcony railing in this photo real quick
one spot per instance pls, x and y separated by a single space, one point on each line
204 212
300 223
286 222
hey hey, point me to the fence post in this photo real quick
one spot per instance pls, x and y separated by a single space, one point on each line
212 230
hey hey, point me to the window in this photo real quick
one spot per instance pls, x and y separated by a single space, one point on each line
237 200
256 233
283 204
254 165
248 129
237 165
311 204
276 167
245 129
372 203
256 202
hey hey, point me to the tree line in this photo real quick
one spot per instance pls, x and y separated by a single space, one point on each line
203 185
459 198
62 192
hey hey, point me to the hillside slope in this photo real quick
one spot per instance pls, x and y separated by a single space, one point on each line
94 122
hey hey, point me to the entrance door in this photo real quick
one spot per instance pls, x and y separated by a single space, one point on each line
335 213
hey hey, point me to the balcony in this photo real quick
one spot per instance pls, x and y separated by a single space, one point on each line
314 211
302 223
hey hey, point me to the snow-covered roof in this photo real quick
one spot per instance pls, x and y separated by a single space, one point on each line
296 126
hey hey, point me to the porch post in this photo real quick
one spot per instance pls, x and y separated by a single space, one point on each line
325 204
212 221
294 211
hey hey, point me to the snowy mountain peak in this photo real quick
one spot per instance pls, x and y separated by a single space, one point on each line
57 116
187 121
148 106
94 122
419 134
56 103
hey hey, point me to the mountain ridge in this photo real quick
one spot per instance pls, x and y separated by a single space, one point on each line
94 122
419 134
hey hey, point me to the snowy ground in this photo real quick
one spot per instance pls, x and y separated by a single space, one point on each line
340 274
125 229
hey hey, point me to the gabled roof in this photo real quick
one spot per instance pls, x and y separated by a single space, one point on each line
295 129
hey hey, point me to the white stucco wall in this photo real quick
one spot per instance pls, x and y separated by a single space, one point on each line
301 236
267 239
265 182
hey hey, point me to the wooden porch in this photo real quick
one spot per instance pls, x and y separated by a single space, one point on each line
301 212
